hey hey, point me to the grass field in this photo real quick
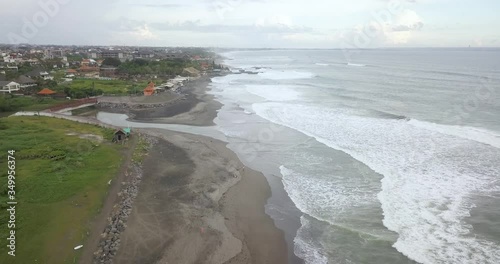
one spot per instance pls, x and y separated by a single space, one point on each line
116 87
61 181
26 103
108 87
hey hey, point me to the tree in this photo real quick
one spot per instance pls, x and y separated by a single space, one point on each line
112 62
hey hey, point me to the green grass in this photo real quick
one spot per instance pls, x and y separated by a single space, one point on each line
61 182
116 87
27 103
108 87
140 151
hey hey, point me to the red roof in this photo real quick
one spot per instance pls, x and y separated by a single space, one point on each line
46 91
150 89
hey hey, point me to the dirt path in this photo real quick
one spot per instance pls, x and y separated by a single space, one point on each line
100 222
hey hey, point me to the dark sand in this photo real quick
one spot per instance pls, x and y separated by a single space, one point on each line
192 107
197 203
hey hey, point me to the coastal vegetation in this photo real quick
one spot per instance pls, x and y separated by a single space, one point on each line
11 103
161 67
62 174
82 88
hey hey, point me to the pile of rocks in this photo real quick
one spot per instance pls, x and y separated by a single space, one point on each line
128 105
110 238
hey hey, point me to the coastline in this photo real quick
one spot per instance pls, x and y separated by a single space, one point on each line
197 201
192 107
198 204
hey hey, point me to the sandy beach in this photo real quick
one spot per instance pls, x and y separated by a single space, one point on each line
197 203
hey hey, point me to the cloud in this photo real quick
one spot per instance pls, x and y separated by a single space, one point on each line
398 29
256 23
260 26
417 26
170 6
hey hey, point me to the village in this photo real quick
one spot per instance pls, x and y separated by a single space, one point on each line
40 77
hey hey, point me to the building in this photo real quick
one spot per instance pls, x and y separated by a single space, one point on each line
9 87
117 54
176 55
89 63
26 82
143 55
95 54
150 89
71 71
53 53
121 134
46 92
38 73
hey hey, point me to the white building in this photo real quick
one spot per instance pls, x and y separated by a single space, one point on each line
9 87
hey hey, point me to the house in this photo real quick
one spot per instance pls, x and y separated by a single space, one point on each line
9 87
89 68
150 89
88 63
46 76
26 82
39 73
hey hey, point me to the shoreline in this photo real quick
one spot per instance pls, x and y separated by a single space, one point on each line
220 202
196 194
192 107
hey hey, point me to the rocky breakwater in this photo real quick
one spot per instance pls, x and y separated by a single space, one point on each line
110 238
112 105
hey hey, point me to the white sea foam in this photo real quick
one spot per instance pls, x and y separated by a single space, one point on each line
324 197
285 75
273 92
428 177
356 64
477 134
322 64
304 247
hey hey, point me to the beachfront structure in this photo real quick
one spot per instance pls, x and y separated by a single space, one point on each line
121 134
9 87
150 89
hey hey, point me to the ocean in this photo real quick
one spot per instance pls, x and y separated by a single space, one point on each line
384 155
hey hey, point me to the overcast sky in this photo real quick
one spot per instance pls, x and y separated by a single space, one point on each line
253 23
